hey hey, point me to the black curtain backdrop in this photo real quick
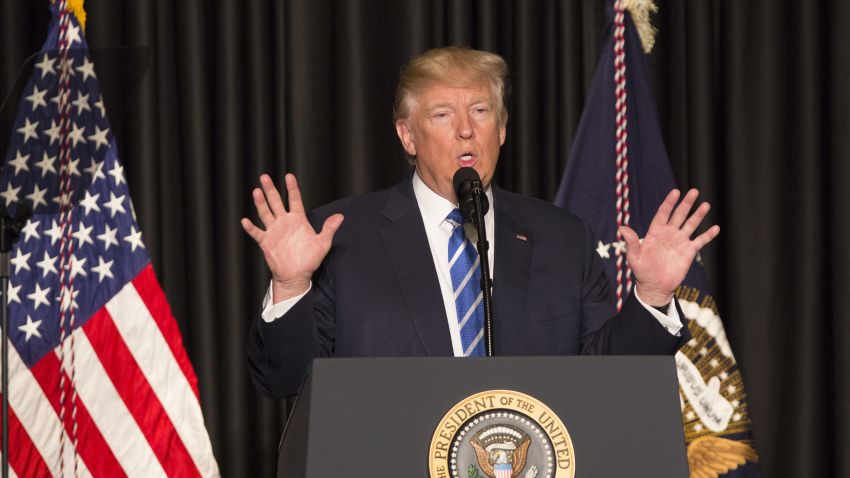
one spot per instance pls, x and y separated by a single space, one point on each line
753 98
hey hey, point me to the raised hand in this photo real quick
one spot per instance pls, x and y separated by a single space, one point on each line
290 245
661 261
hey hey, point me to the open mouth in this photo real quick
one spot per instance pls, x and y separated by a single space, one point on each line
466 159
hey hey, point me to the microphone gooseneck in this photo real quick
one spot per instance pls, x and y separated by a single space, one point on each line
473 204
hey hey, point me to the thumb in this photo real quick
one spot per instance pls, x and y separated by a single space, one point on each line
330 227
631 238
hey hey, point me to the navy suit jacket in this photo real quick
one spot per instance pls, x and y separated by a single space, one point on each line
377 292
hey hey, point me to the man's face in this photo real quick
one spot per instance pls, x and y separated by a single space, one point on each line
452 127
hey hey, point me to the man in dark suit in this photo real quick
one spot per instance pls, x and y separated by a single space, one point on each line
393 281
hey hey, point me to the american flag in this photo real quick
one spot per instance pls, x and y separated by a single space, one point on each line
100 384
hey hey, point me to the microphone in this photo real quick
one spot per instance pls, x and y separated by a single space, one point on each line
473 204
467 186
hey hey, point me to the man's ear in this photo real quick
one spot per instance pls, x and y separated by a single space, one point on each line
503 130
405 134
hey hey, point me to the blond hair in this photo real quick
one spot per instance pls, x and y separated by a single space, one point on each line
456 66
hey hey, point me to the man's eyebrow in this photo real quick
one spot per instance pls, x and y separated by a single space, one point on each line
442 104
480 99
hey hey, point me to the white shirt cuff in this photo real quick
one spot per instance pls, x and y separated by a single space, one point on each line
669 321
272 312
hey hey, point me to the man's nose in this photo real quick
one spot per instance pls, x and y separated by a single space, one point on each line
464 127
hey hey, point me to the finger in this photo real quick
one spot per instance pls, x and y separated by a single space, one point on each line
262 206
294 194
662 216
272 196
684 208
631 238
696 218
707 236
330 227
255 232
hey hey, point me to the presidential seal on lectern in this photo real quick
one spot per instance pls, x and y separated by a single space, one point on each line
501 434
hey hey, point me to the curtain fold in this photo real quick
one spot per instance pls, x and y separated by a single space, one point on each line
753 102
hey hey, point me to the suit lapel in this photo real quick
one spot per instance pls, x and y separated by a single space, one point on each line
407 247
512 257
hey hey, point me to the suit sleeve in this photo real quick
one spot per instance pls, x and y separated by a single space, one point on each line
280 352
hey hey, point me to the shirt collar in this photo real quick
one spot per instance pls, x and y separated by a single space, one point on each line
433 207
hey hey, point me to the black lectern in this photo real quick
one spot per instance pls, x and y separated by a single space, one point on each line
390 417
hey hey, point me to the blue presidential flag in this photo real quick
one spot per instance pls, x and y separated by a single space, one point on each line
618 173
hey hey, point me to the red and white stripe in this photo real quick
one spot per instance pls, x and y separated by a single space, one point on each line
137 407
624 281
503 472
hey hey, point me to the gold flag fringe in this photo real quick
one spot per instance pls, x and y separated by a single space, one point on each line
640 10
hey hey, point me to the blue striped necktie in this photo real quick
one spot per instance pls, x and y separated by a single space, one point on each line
466 284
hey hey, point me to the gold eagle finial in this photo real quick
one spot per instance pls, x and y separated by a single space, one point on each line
711 456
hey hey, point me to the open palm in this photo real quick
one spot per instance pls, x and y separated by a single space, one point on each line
292 249
661 261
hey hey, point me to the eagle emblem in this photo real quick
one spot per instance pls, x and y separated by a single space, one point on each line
501 448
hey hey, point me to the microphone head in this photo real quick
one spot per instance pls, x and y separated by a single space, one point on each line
464 175
467 184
